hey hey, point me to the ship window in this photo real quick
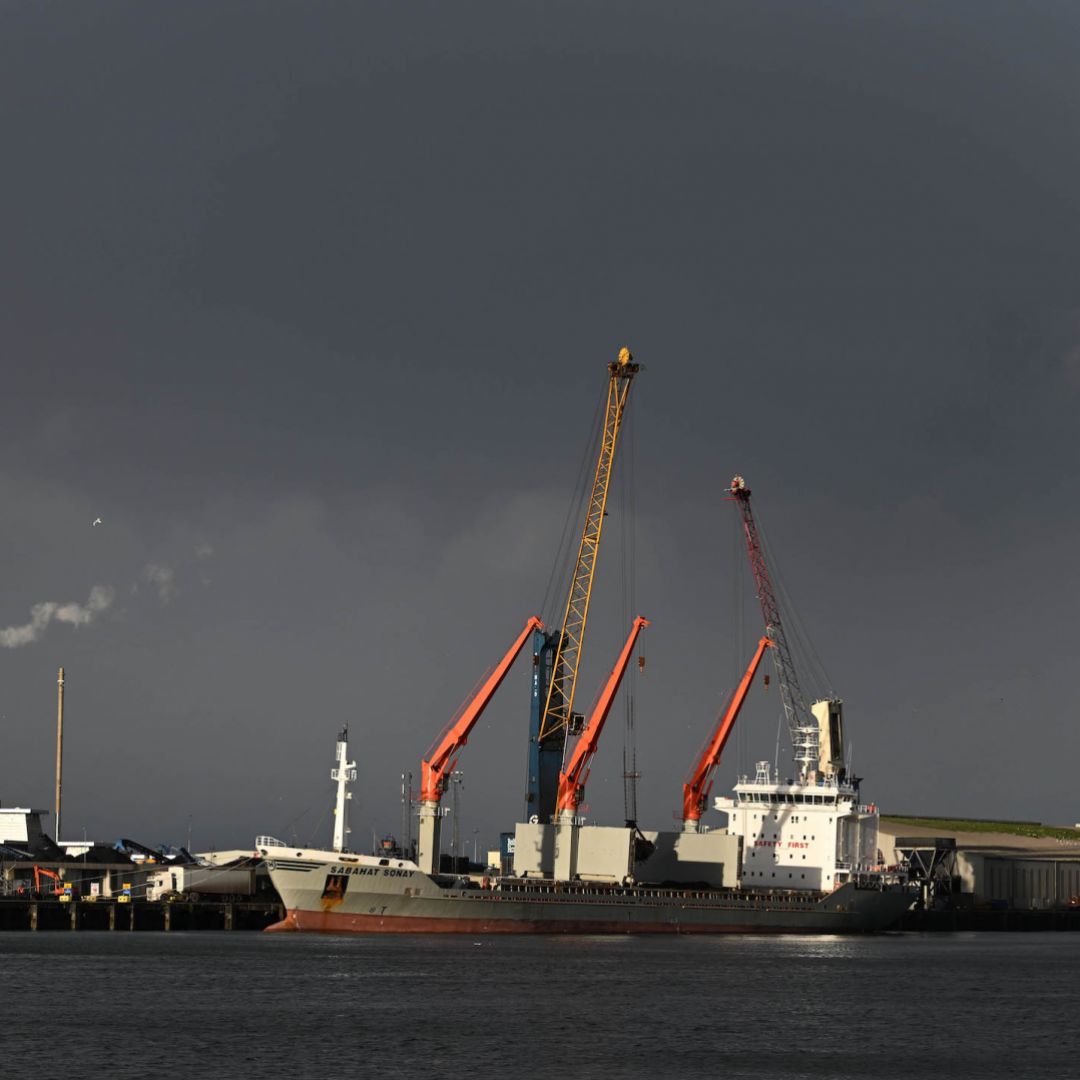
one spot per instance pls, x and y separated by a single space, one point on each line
803 875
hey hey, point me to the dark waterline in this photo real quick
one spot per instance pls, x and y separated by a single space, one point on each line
249 1005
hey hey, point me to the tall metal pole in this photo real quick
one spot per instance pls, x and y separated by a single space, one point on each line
59 746
455 841
406 814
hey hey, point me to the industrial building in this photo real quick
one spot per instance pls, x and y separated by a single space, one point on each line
987 870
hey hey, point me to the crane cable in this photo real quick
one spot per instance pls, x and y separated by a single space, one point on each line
628 581
807 660
564 553
558 708
738 636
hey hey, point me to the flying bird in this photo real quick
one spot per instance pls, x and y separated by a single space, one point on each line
97 521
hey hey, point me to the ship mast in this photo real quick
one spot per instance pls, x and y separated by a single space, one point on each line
344 772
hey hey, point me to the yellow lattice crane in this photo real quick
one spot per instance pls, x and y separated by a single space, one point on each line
558 708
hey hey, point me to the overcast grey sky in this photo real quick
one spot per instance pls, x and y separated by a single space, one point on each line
311 303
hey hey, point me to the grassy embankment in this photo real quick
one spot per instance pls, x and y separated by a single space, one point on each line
1031 829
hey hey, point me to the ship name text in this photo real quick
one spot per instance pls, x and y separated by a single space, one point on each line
371 871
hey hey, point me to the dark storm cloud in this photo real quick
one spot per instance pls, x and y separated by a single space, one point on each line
324 292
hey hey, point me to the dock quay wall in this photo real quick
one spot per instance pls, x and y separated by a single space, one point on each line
974 919
28 914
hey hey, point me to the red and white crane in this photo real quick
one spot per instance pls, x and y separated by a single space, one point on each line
697 787
802 725
436 768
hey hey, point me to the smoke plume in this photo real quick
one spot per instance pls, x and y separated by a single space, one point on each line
12 637
163 579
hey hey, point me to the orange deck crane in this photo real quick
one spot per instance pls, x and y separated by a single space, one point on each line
572 778
697 787
436 768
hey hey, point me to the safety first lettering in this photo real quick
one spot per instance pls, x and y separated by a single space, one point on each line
781 843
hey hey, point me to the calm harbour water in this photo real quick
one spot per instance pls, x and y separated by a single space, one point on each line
250 1005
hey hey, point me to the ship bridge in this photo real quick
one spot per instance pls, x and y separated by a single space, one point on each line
800 835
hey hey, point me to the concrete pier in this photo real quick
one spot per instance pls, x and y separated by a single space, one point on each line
18 914
967 919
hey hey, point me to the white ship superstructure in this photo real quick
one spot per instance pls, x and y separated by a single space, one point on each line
800 835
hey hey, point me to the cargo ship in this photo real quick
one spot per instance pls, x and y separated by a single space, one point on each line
337 893
794 858
795 855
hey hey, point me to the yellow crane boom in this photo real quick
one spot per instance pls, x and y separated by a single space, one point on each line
560 695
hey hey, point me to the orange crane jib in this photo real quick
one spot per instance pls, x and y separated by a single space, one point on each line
572 778
436 768
696 790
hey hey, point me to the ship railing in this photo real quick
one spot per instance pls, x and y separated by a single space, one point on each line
269 841
546 890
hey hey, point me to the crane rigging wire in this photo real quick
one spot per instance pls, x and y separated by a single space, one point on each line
628 581
809 662
626 509
564 553
738 585
794 653
558 714
560 565
556 718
